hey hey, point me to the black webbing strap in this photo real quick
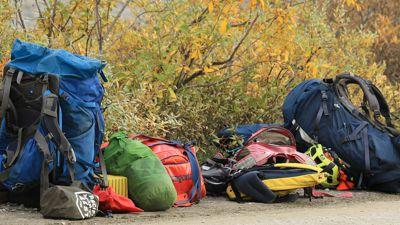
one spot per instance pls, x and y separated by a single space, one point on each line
372 98
364 105
329 167
360 181
23 135
324 97
238 195
385 111
103 168
47 159
345 79
323 109
6 89
355 135
383 105
361 132
366 151
318 118
50 119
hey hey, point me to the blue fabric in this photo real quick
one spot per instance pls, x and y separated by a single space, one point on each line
81 117
26 169
36 59
338 131
196 177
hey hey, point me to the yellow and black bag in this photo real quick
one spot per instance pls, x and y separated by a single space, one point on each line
273 182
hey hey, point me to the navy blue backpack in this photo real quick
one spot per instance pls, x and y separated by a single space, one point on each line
320 111
52 122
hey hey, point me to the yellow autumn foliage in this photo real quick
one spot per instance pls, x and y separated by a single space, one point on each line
187 68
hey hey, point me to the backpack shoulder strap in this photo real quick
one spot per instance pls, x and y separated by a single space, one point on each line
49 118
8 76
342 80
372 96
385 110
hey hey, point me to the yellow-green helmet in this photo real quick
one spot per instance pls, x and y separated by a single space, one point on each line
316 152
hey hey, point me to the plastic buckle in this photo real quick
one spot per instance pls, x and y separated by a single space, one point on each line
44 79
71 156
49 160
10 71
377 114
18 187
324 96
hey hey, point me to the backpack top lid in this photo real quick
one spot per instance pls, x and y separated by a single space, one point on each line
36 59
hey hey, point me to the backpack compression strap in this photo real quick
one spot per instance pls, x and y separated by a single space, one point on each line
47 159
196 177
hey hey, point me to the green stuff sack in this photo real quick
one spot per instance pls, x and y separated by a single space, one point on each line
149 185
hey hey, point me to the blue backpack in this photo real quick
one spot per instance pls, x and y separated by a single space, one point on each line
319 111
52 122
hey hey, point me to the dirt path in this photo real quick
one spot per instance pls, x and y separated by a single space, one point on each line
363 208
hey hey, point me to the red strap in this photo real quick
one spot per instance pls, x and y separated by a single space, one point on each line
319 194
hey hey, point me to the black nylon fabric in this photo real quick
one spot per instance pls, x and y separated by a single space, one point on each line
251 185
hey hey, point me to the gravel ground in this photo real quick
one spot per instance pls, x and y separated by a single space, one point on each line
363 208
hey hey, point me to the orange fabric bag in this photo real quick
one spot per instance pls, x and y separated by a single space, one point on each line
181 164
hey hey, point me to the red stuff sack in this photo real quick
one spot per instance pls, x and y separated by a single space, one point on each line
272 144
111 201
181 164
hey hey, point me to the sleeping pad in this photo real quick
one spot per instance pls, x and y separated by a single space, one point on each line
149 185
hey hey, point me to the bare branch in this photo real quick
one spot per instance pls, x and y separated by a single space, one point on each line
200 17
51 23
19 14
236 48
132 25
99 31
40 13
111 27
70 43
244 69
46 4
79 38
313 53
70 16
226 62
239 24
